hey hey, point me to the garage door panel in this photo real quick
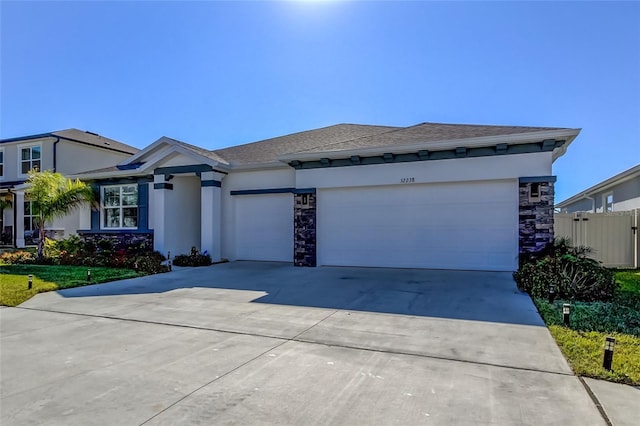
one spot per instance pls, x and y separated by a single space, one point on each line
264 227
447 226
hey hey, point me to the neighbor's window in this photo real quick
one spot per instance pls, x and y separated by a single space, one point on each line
120 207
29 216
1 162
29 158
608 202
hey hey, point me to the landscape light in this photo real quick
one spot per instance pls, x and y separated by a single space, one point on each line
552 293
88 275
609 344
30 281
566 311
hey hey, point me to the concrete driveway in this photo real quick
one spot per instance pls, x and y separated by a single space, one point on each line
267 343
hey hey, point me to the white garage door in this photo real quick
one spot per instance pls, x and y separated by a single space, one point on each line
264 227
471 226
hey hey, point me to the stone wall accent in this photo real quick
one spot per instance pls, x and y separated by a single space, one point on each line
304 232
124 240
536 216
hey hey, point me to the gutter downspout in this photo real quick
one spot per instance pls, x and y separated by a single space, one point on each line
55 153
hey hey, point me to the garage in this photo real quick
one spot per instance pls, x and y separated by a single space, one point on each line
264 227
468 225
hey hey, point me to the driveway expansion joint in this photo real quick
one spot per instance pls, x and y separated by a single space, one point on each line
595 400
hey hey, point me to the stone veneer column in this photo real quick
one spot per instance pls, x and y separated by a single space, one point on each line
304 232
535 213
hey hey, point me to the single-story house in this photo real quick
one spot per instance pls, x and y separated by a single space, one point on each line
431 195
616 194
66 151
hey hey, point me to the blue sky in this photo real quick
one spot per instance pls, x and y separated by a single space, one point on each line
216 74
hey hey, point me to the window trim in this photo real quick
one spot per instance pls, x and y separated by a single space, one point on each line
20 148
605 203
120 207
30 215
2 163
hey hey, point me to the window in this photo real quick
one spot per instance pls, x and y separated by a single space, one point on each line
120 207
29 216
29 158
1 162
607 202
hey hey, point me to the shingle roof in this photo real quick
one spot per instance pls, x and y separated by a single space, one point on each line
268 150
95 140
424 133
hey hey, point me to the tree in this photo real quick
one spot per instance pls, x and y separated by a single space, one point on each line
53 196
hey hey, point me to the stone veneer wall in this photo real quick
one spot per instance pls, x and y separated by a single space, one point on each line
141 241
536 217
304 232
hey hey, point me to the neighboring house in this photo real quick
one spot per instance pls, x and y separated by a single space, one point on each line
618 193
68 152
432 195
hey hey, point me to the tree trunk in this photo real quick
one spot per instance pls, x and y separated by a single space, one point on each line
41 242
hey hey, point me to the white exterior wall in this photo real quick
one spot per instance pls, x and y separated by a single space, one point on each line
76 158
182 215
235 181
454 170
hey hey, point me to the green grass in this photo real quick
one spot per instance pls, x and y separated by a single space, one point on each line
583 342
14 283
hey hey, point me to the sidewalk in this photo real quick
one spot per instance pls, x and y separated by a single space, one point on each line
621 403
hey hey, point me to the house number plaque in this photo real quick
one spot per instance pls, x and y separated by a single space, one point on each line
407 180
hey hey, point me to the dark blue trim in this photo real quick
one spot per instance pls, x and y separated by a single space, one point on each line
263 191
174 170
131 166
423 155
143 207
114 231
123 181
163 185
304 191
212 182
537 179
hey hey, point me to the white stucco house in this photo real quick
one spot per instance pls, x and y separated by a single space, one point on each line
616 194
66 151
433 195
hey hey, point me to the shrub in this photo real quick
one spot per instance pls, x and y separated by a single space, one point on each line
573 275
150 263
18 257
193 259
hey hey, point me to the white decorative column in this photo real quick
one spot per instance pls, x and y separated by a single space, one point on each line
211 214
160 225
18 211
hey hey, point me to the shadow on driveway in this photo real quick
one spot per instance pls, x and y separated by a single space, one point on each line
465 295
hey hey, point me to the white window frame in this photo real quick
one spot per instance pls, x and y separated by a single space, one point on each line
31 160
103 208
606 206
30 215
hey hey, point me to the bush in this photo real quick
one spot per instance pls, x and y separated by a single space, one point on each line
18 257
193 259
573 275
150 263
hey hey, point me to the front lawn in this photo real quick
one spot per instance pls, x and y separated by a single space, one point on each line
14 282
591 322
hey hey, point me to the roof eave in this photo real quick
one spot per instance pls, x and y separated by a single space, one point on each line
568 134
602 186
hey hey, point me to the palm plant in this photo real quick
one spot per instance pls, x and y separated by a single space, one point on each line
54 196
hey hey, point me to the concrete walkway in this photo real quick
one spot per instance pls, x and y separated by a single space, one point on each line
267 343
